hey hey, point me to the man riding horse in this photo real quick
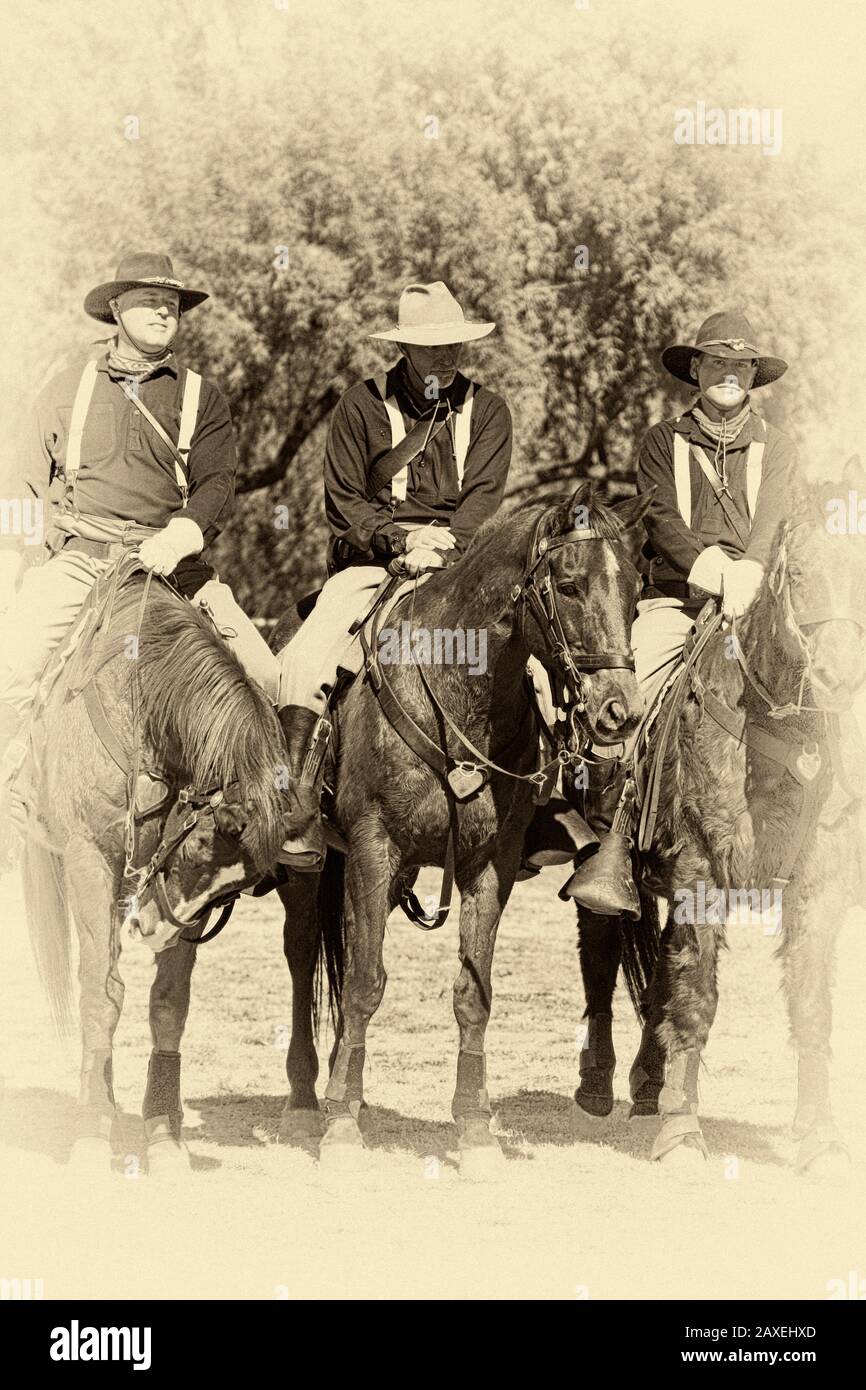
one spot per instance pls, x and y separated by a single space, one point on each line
720 475
137 450
416 461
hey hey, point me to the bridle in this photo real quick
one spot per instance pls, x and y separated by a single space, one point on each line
538 592
152 875
814 616
803 760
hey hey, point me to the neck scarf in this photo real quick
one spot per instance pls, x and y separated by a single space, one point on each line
723 432
138 367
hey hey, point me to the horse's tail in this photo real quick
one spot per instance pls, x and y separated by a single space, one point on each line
640 950
332 934
49 926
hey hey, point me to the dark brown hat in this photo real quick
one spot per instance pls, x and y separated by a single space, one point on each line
139 270
728 334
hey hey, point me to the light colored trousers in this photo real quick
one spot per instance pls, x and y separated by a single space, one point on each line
308 663
51 597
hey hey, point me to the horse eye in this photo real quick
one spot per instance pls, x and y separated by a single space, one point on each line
568 587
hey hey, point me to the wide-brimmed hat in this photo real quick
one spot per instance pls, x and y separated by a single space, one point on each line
139 270
429 316
728 334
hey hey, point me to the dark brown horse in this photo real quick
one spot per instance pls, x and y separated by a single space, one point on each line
214 738
758 787
395 811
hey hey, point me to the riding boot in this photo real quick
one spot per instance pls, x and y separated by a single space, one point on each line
307 738
604 882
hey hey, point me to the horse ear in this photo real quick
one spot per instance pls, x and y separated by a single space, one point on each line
582 501
633 509
630 514
853 474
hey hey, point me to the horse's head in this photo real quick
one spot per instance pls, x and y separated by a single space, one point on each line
215 846
219 734
819 579
590 553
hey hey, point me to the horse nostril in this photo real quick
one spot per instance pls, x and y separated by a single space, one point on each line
613 713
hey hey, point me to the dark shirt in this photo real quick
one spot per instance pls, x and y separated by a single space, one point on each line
360 433
677 545
126 471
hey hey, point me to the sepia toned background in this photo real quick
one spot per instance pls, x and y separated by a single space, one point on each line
303 162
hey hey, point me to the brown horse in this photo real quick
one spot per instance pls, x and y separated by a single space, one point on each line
758 800
395 810
214 738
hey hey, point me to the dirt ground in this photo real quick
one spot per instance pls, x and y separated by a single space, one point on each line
576 1215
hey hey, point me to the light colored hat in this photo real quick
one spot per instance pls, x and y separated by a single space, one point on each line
429 316
727 334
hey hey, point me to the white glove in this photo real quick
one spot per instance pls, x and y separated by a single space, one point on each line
430 538
419 559
164 551
742 580
709 569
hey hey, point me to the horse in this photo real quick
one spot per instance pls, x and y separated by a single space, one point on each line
755 805
167 708
536 582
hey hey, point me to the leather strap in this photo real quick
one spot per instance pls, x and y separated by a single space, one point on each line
389 465
683 453
180 463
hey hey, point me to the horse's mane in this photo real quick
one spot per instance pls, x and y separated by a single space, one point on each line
198 706
601 518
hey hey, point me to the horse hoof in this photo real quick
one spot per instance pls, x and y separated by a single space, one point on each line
643 1109
684 1158
342 1148
598 1105
679 1144
301 1127
168 1159
90 1157
823 1154
482 1162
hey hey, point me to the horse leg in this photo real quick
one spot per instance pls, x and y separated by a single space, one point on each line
92 889
162 1109
599 950
368 880
683 996
483 896
301 1120
647 1075
808 948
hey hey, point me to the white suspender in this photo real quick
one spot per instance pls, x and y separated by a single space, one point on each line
400 481
683 477
462 427
79 414
754 473
188 417
683 480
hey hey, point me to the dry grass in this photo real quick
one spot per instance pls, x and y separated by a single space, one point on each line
573 1213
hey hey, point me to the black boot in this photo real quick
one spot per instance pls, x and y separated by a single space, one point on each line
604 883
307 738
